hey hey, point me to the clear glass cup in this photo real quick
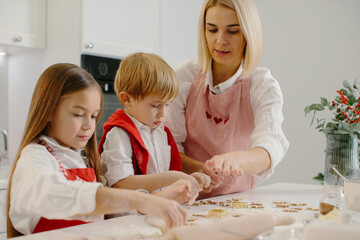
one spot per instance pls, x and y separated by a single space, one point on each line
332 197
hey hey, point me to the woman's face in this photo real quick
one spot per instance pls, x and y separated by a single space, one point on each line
223 36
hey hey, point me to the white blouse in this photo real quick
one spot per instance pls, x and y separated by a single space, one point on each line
266 100
117 152
39 189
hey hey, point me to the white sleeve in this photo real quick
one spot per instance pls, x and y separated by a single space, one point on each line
38 188
267 101
175 117
117 155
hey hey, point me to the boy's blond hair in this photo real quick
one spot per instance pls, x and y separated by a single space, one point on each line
144 74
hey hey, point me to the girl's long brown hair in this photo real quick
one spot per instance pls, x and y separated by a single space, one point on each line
56 81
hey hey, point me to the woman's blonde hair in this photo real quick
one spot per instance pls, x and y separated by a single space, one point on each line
250 26
56 81
144 74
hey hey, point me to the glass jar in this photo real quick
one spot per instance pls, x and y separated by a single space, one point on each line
332 197
341 153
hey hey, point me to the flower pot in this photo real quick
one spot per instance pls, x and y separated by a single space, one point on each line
342 153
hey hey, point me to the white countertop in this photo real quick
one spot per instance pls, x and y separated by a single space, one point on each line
134 226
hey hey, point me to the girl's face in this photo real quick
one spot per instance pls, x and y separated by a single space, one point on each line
74 118
150 110
223 36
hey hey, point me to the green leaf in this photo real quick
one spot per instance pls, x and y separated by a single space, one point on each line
328 130
317 107
344 91
341 132
352 95
319 177
347 84
324 101
344 126
332 125
355 83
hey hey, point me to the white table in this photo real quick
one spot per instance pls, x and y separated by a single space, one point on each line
133 226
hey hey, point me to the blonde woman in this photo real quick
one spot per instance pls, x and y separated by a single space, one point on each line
55 180
227 117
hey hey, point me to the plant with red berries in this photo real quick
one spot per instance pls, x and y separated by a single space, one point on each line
346 110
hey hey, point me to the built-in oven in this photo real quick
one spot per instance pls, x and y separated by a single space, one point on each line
103 69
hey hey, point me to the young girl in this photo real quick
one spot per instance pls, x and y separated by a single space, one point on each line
138 150
55 178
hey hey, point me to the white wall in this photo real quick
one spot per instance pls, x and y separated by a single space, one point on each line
310 48
179 18
24 70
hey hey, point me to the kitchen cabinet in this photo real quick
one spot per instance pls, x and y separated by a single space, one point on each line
120 27
22 23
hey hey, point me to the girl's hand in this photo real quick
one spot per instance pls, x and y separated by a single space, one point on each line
173 214
183 190
203 180
228 164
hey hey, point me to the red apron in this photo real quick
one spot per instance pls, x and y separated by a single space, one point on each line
82 174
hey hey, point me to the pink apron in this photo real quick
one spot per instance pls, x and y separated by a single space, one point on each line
82 174
218 124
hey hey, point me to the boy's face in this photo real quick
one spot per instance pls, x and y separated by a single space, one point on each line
150 110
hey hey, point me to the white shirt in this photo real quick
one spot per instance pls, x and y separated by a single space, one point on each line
117 151
39 189
266 100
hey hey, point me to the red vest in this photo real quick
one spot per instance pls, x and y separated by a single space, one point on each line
140 154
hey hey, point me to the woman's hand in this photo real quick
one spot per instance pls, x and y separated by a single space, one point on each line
173 214
253 161
228 164
183 190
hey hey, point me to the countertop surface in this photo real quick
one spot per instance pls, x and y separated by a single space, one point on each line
304 197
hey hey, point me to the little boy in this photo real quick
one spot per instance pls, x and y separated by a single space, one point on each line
138 150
